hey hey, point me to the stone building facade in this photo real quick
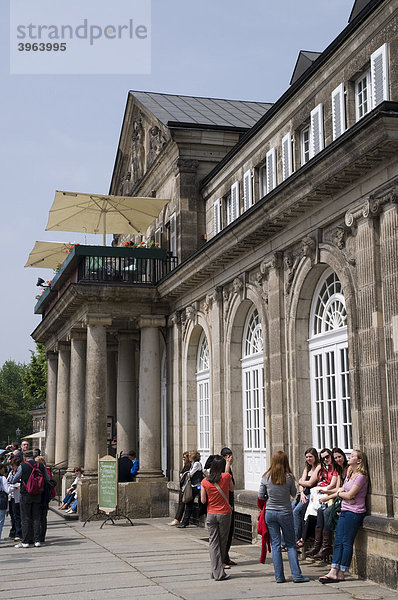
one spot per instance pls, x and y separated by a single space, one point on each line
279 327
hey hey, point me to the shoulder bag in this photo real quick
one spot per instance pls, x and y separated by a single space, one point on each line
187 490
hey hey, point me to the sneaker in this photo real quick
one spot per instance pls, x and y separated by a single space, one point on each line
16 539
301 579
21 545
37 544
224 577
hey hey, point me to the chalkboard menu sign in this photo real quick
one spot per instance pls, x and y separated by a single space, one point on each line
107 484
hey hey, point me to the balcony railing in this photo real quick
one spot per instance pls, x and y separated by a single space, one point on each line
110 266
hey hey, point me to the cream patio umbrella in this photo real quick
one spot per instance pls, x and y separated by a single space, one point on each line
93 213
47 255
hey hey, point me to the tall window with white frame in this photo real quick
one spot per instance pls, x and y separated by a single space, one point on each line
363 98
254 433
203 397
329 372
305 144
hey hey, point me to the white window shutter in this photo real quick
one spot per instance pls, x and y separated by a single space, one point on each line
235 200
247 190
173 235
287 156
217 216
338 111
270 160
379 75
316 130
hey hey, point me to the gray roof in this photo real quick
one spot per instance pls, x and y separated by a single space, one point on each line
191 110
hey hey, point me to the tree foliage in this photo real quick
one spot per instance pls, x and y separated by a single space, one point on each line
22 387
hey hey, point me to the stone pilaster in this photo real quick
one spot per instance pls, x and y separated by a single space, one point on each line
96 381
372 400
62 416
277 403
149 397
174 344
77 398
126 394
389 270
51 405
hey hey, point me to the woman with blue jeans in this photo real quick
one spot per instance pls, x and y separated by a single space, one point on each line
308 480
353 510
4 488
277 488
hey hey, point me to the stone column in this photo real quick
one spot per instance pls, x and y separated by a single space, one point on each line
96 382
77 398
51 405
62 416
111 390
126 394
149 397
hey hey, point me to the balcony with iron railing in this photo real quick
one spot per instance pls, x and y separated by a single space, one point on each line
107 265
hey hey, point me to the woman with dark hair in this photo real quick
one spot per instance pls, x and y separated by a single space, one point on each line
327 479
186 465
308 480
277 487
215 490
196 476
340 464
353 510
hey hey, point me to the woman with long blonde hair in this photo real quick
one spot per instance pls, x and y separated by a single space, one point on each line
277 488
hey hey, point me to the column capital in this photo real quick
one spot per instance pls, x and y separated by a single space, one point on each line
151 321
127 336
98 320
77 334
62 346
51 355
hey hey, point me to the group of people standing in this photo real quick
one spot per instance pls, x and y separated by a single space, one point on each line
26 487
332 490
333 478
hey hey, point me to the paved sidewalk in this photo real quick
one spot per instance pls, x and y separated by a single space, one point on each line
148 561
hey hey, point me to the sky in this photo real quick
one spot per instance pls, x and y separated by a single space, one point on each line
60 132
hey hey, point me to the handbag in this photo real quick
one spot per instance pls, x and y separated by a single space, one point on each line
187 491
3 498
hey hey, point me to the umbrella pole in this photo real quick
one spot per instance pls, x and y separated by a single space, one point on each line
104 233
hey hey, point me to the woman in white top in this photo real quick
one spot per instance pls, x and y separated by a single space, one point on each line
4 491
196 475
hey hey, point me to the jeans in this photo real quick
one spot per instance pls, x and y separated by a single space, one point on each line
15 514
2 518
277 520
347 528
323 517
298 517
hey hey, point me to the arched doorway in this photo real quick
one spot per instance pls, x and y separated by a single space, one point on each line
254 434
329 370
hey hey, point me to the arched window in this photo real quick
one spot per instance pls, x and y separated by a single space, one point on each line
330 386
254 434
203 397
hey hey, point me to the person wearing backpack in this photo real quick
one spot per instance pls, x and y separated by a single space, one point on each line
33 476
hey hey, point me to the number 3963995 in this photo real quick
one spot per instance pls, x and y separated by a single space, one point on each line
42 47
